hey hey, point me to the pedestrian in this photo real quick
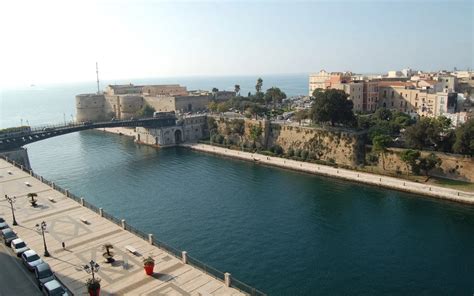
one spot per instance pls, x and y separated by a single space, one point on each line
64 245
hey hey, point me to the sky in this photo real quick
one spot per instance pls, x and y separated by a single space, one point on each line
60 41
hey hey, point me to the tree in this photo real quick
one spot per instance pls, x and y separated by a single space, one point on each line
237 89
429 162
464 142
332 106
212 106
317 91
380 144
255 133
429 132
300 115
411 159
146 111
258 86
274 95
33 200
215 89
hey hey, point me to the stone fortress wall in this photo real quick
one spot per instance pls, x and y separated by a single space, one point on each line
124 101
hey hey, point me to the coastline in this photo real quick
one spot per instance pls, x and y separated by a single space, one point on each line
350 175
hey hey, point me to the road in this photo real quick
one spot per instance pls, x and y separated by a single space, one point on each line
15 279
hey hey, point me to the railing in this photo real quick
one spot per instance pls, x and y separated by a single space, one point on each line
211 271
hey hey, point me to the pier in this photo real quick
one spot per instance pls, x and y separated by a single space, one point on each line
84 229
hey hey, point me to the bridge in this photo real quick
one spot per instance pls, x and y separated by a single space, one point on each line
14 140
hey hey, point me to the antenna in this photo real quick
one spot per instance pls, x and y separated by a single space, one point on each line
97 72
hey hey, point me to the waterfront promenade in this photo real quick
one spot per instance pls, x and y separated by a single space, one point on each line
351 175
84 232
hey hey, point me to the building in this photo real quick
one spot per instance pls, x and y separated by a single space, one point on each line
325 80
125 101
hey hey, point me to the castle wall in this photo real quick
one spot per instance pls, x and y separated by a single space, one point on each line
90 107
161 103
191 103
130 105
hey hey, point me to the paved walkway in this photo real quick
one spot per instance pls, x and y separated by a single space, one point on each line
84 241
372 179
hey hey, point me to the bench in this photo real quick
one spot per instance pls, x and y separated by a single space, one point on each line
131 249
10 172
51 199
84 220
28 184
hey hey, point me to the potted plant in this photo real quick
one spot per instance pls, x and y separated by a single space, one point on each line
93 286
108 254
33 200
149 264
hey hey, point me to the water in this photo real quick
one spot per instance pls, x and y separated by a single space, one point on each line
286 233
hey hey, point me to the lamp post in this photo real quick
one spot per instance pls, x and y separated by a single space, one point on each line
42 226
91 268
11 201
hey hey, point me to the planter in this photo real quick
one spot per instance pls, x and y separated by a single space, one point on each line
149 268
109 258
94 292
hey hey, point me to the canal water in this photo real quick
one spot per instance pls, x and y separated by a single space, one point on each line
284 232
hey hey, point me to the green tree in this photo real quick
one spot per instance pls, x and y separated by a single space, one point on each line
317 91
215 89
258 86
146 111
411 159
255 133
380 144
300 115
332 106
237 89
428 163
429 133
464 141
274 95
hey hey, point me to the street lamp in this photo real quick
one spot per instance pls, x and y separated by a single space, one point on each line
42 226
11 201
91 268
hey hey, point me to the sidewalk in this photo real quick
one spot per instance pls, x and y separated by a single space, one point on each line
367 178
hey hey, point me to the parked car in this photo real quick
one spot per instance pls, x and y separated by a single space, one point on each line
19 246
43 274
8 235
31 259
54 288
3 224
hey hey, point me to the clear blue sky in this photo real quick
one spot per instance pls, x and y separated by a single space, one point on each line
55 41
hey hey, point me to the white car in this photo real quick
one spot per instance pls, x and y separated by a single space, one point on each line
54 288
19 246
31 259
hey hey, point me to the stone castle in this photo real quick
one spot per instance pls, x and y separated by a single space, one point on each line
124 101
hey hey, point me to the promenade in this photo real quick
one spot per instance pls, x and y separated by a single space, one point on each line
361 177
84 232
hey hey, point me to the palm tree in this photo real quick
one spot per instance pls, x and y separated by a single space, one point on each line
258 86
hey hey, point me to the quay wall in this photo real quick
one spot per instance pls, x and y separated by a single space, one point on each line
453 166
335 146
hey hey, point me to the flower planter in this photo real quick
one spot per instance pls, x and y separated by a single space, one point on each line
94 292
149 268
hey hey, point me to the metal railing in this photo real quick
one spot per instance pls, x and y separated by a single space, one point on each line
211 271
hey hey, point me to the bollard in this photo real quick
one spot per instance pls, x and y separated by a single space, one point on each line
67 193
13 162
150 238
52 185
380 179
21 167
41 178
227 279
403 183
458 193
430 188
82 201
337 171
358 176
31 172
184 256
6 158
101 212
123 223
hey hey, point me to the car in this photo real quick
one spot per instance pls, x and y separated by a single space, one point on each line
19 246
31 259
8 235
3 225
54 288
43 274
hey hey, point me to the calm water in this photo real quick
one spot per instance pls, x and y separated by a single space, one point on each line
284 232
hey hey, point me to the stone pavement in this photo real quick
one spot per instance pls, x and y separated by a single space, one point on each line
84 242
